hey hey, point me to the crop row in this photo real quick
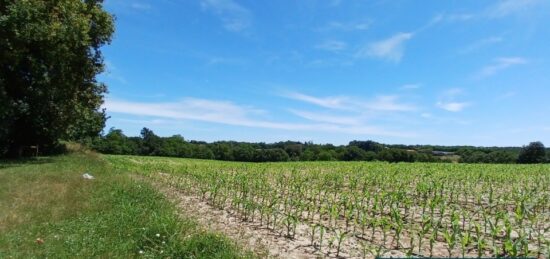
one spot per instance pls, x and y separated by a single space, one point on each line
366 209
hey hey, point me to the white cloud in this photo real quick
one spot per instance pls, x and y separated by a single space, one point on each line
500 64
332 45
448 100
506 95
445 18
426 115
111 72
228 113
451 93
511 7
390 49
330 62
453 17
225 61
234 16
481 44
346 26
452 106
190 108
388 103
458 17
327 102
382 103
140 6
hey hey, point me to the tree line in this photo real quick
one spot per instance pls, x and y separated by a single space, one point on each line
150 144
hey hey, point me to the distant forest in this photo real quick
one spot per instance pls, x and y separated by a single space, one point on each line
149 144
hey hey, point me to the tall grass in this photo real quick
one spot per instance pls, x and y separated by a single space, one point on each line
48 210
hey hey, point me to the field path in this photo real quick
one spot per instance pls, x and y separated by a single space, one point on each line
264 242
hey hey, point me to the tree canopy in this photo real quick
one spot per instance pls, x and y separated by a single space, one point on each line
148 143
49 58
532 154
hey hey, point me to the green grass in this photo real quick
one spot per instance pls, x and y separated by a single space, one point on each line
112 216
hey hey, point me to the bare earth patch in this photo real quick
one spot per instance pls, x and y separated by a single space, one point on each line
251 235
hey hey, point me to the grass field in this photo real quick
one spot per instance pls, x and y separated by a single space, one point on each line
47 210
348 209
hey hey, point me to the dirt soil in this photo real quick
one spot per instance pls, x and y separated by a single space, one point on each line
268 243
263 241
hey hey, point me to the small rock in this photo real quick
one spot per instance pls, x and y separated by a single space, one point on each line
394 253
88 176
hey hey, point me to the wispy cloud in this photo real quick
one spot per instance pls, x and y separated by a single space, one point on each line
332 45
451 17
426 115
442 18
452 92
483 43
129 6
350 114
228 113
512 7
500 64
506 95
234 16
346 26
189 108
330 62
140 6
448 100
381 103
390 49
452 106
225 61
388 103
327 102
111 72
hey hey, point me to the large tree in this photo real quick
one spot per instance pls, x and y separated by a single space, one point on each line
49 59
533 153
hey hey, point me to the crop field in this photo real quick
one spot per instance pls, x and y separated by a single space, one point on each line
358 210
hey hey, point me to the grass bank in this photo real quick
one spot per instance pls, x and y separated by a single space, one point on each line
48 210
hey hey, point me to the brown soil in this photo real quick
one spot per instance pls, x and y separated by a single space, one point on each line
269 243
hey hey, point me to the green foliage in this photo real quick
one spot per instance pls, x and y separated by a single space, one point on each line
368 145
115 142
49 58
202 152
396 155
151 144
532 154
174 146
487 156
354 153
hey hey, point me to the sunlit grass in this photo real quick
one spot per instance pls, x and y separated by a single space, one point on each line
48 210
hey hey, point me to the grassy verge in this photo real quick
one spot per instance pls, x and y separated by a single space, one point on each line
48 210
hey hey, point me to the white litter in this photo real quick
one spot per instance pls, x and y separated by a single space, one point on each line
88 176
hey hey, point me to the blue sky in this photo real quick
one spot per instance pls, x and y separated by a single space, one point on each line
329 71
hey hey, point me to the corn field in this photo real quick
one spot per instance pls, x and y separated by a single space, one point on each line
365 209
